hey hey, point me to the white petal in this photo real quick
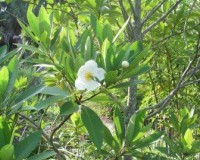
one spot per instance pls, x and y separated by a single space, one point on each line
79 84
91 63
81 72
92 85
100 73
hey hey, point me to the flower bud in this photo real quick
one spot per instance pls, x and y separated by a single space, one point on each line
125 64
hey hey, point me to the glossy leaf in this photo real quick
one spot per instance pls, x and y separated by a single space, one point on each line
119 125
13 72
33 22
24 148
121 30
111 77
3 51
5 133
130 129
146 141
68 108
94 125
4 80
42 156
110 140
97 28
7 152
48 102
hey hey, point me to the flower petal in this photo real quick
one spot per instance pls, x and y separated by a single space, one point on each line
89 69
81 72
79 84
91 63
92 85
100 73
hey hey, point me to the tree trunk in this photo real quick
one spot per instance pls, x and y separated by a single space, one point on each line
136 35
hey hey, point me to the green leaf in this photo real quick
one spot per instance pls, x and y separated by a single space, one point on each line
196 145
30 48
121 30
4 79
107 33
135 71
68 108
44 22
28 31
9 55
47 102
54 91
7 1
188 137
94 126
111 77
139 121
145 142
88 51
5 133
7 152
97 28
102 98
56 38
110 140
25 95
174 121
42 156
33 22
107 53
173 146
130 130
13 72
119 125
3 51
24 148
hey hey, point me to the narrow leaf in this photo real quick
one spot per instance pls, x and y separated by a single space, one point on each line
24 148
94 126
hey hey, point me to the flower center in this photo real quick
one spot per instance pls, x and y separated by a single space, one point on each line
88 76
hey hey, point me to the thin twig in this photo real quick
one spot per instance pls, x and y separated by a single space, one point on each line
125 16
174 34
161 18
161 105
153 87
152 12
58 127
132 7
60 156
185 24
84 100
190 82
122 106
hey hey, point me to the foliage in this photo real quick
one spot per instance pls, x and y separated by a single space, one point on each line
146 49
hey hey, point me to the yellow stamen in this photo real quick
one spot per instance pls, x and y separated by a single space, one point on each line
88 76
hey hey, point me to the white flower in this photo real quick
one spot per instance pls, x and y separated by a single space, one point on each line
89 76
125 64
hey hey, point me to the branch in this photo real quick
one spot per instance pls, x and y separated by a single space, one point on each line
161 105
175 34
60 156
152 12
125 16
161 18
58 127
132 7
190 82
185 25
